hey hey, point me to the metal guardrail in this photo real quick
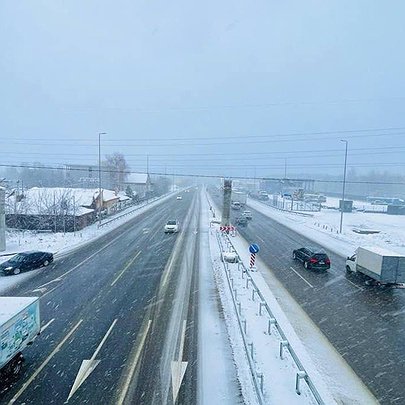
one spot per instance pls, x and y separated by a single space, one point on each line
302 373
138 207
257 378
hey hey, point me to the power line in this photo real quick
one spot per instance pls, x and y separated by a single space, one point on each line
217 176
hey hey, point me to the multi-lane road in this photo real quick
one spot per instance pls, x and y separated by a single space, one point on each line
118 317
365 324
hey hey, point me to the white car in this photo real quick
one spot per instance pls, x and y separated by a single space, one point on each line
172 226
230 257
179 197
247 214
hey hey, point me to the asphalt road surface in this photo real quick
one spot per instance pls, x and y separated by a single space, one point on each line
101 309
366 324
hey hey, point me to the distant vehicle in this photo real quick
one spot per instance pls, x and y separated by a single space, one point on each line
385 201
247 214
179 197
236 205
26 261
381 265
317 198
172 226
312 258
263 196
239 196
19 326
241 221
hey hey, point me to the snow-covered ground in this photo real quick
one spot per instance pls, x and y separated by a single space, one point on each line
323 228
61 244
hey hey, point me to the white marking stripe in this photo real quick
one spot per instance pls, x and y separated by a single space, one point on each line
125 268
124 391
43 365
47 324
355 285
299 275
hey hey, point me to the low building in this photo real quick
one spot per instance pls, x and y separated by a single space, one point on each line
140 184
58 209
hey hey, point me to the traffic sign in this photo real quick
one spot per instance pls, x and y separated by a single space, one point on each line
254 248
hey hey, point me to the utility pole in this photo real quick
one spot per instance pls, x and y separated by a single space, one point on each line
100 197
342 206
226 207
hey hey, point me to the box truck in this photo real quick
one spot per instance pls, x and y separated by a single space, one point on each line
19 326
239 196
381 265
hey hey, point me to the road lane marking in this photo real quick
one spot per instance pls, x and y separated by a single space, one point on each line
59 278
299 275
131 372
179 366
355 285
46 325
126 268
88 366
43 365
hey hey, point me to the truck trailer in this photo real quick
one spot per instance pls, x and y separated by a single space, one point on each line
383 266
19 326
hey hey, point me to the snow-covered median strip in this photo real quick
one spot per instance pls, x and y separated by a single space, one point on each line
265 344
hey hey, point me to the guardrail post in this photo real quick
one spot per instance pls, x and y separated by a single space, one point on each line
232 282
235 293
300 375
253 294
251 350
247 282
261 305
272 321
283 343
244 326
240 308
260 376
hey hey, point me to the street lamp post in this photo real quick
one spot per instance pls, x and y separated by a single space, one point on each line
342 207
100 197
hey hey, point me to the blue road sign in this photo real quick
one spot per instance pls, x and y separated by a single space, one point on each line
254 248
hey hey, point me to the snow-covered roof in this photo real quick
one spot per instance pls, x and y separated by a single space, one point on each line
43 200
137 178
123 197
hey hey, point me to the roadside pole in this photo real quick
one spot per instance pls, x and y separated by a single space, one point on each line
2 220
226 208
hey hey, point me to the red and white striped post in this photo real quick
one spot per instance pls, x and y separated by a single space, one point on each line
253 249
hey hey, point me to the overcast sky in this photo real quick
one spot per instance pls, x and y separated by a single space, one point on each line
152 72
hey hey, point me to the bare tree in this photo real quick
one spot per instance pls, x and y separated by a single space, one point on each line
118 168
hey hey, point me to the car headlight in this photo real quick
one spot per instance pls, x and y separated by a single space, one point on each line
8 268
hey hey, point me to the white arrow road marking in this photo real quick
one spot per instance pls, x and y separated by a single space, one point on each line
47 360
88 366
179 367
47 324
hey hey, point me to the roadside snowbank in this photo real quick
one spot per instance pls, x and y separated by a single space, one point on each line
323 227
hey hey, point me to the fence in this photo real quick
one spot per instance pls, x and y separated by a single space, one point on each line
249 348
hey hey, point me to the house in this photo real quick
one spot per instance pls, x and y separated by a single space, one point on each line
57 208
139 183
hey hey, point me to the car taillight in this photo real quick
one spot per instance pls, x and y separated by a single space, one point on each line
327 261
313 260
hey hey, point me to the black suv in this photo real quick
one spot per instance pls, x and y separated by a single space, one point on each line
26 261
241 221
312 258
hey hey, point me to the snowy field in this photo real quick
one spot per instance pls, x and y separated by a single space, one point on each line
323 227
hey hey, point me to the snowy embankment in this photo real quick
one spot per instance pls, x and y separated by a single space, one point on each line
61 244
322 227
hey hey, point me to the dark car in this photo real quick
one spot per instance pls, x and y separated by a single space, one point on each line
26 261
312 258
241 221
